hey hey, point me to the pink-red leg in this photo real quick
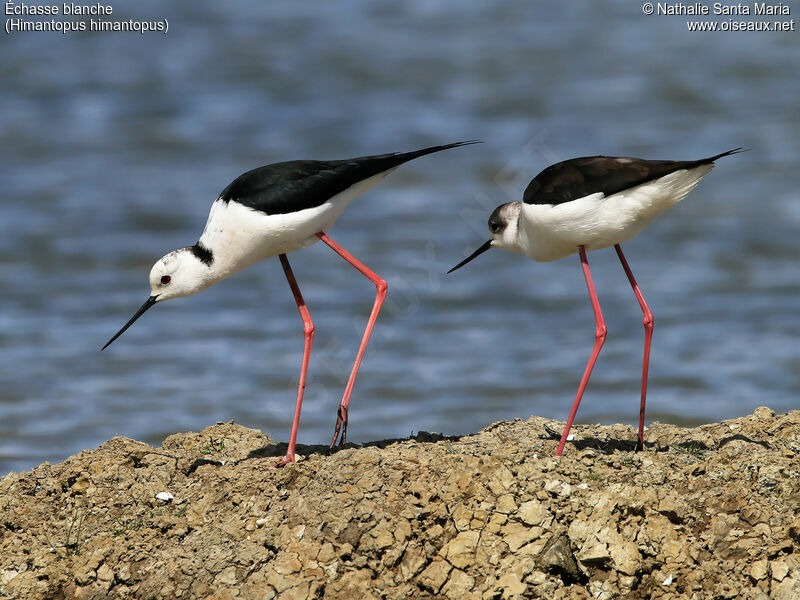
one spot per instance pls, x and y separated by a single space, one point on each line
380 296
308 332
647 320
599 338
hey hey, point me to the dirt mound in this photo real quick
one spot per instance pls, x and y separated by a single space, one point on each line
703 513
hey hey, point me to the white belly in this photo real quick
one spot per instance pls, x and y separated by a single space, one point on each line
551 232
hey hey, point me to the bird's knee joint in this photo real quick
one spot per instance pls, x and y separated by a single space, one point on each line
308 329
648 321
600 332
382 287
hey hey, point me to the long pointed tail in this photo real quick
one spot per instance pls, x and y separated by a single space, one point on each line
395 159
711 159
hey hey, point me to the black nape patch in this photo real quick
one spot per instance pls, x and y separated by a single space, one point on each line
203 254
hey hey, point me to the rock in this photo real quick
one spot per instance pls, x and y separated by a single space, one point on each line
558 559
104 573
779 570
326 553
6 575
434 575
378 539
496 521
787 589
594 552
511 585
759 569
458 585
517 535
462 517
412 562
533 512
501 481
506 504
460 551
763 413
81 484
794 529
558 488
580 530
287 564
626 557
670 508
352 584
226 577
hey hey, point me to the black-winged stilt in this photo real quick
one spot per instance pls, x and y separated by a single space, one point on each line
272 210
590 203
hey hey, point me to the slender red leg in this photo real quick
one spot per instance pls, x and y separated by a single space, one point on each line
599 338
380 296
308 331
648 336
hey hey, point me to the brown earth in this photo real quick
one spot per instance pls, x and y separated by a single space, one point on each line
707 512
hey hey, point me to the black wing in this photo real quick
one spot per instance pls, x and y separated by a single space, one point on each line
287 187
579 177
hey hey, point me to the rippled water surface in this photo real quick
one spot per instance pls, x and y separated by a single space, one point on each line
112 147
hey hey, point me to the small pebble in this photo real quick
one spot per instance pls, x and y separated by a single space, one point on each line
164 496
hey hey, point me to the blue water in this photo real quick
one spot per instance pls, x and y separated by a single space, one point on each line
113 146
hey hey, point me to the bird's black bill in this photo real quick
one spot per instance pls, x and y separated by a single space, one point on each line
477 252
150 301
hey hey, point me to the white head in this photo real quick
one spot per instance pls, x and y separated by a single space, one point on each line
504 227
182 272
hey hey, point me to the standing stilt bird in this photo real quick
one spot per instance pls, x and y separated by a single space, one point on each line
586 204
274 210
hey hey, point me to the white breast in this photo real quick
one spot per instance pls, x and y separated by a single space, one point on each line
550 232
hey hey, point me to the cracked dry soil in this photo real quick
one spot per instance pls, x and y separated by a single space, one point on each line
706 512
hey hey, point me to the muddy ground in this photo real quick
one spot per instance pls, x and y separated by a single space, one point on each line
707 512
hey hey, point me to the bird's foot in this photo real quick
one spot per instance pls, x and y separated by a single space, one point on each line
341 426
289 458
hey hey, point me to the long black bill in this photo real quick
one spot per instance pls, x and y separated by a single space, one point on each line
477 252
150 301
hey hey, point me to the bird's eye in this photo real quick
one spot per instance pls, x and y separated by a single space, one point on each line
165 279
495 227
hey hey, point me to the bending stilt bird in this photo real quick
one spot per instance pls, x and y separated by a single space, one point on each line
586 204
274 210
